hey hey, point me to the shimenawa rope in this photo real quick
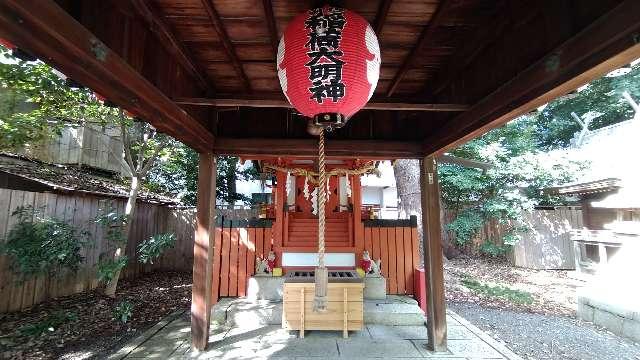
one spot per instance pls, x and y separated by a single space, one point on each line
321 273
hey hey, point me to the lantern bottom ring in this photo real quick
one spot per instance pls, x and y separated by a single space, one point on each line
329 121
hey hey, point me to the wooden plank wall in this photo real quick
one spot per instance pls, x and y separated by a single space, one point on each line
80 211
236 250
549 245
397 248
88 145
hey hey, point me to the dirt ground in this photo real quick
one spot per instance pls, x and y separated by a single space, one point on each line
553 291
92 331
547 328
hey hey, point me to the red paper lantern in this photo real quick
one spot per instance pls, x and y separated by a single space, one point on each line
328 63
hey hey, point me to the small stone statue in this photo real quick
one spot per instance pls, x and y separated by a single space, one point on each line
370 267
264 267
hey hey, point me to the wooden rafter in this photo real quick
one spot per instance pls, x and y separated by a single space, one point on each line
436 20
369 149
67 45
270 101
226 42
484 36
271 24
467 53
381 17
608 43
182 54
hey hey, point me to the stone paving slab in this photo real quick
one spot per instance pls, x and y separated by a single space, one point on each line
373 348
255 340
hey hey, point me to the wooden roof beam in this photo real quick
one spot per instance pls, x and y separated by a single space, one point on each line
283 103
381 17
47 31
226 42
271 24
436 20
607 44
151 16
370 149
484 36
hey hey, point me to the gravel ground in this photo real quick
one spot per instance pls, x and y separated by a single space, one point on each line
545 336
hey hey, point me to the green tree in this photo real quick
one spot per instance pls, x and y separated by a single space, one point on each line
52 105
178 175
601 101
518 173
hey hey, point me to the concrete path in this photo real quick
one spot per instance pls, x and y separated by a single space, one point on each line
246 341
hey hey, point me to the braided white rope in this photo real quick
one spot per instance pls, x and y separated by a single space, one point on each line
321 199
321 273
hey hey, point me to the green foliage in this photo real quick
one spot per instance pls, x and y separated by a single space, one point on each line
107 269
512 185
113 225
178 175
466 225
601 101
39 245
123 311
493 250
49 324
154 246
35 103
499 291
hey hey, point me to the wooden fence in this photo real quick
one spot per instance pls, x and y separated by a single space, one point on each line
548 245
80 211
397 248
235 250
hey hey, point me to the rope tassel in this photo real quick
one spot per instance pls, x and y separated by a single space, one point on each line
321 273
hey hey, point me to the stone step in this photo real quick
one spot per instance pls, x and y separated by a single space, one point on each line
395 310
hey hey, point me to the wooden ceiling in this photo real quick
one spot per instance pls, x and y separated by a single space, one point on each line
204 70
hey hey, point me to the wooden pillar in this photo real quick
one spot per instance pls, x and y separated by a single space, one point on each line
436 307
358 228
278 225
203 251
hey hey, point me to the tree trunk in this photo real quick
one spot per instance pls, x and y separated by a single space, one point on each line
407 175
129 212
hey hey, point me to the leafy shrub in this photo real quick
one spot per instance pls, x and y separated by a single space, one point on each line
466 225
107 269
123 311
513 295
155 246
49 324
113 225
494 250
39 245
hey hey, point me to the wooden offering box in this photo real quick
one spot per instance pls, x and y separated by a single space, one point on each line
344 310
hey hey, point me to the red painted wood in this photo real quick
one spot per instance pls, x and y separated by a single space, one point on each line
233 263
259 243
242 262
384 255
408 261
251 252
217 251
392 280
367 241
375 243
224 273
400 256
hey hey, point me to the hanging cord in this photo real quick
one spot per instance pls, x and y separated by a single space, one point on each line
321 273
